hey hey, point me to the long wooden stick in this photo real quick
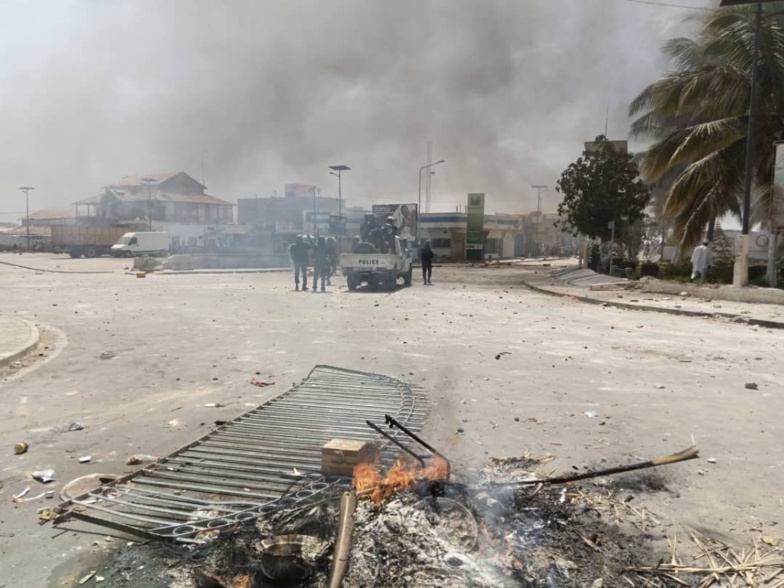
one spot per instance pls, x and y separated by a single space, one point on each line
687 454
348 504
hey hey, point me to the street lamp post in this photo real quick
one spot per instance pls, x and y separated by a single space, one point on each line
26 190
741 273
419 200
340 169
540 189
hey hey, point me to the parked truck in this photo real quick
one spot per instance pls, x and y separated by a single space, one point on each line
87 240
378 270
142 243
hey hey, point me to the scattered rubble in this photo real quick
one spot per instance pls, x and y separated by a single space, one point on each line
261 383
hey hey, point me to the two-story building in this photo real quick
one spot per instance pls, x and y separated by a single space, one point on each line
171 202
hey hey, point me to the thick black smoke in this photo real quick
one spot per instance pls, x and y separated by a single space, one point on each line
274 91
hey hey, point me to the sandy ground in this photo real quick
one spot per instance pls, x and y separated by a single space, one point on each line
182 341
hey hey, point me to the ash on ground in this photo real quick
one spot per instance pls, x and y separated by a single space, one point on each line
511 537
449 534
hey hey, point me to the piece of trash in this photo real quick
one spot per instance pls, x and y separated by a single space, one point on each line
591 414
45 515
21 448
502 353
751 386
87 577
214 405
44 476
49 494
770 540
107 355
140 458
99 579
711 460
85 459
17 497
75 426
260 383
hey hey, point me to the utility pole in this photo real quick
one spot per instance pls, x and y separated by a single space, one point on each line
540 189
315 212
419 199
741 272
339 169
26 190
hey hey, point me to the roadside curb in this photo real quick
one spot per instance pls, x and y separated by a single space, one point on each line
221 272
738 318
31 344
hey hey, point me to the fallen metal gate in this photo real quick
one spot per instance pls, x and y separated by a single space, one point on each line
266 458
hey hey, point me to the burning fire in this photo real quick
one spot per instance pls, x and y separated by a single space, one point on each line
369 482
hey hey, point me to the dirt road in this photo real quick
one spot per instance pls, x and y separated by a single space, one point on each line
176 343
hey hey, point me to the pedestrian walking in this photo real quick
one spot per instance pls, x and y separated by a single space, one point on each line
426 256
320 264
299 252
701 260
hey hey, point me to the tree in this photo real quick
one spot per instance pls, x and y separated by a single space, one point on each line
698 116
602 186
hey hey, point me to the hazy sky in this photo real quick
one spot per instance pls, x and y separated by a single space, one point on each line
274 91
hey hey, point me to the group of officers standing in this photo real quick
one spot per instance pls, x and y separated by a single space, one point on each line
323 257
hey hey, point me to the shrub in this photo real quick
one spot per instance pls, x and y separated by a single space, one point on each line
649 268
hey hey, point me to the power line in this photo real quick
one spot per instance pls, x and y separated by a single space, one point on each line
668 5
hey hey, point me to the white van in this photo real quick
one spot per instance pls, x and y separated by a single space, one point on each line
135 244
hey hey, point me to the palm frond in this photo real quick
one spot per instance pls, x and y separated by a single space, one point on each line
706 138
709 187
685 53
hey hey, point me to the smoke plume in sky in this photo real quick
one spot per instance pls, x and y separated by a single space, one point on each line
273 91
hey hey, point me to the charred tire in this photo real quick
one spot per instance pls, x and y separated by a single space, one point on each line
407 279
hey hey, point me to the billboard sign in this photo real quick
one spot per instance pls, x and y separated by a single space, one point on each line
337 225
321 224
778 187
475 224
404 216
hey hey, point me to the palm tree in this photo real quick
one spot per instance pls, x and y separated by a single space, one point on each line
698 114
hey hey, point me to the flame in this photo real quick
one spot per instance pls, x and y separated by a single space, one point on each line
369 481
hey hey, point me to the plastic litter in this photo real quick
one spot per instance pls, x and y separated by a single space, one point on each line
44 476
140 458
591 414
75 426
